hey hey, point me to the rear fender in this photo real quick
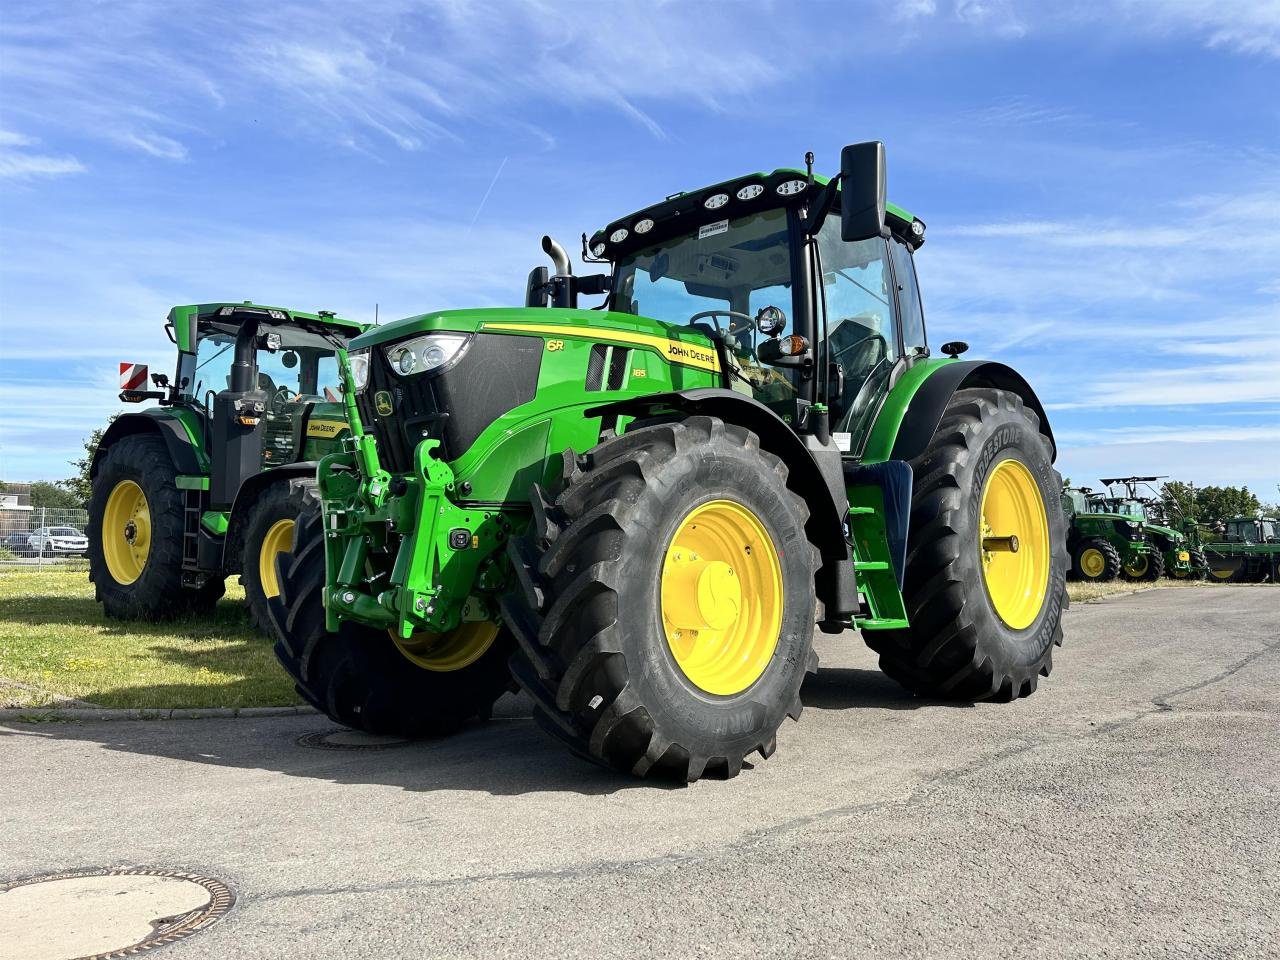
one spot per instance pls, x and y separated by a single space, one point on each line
182 436
247 498
915 406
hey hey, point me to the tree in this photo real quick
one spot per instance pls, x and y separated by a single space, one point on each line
1183 495
81 486
1220 503
53 496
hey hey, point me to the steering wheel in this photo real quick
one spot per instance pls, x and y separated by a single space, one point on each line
280 400
751 321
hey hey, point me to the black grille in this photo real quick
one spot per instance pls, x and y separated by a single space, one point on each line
495 374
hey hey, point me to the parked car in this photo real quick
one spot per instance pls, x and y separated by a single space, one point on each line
58 542
16 543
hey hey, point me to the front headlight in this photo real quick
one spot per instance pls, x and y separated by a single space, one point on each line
424 354
359 362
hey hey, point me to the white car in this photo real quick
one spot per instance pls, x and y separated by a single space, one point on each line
58 542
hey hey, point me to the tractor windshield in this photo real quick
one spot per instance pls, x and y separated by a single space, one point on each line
718 277
716 280
295 364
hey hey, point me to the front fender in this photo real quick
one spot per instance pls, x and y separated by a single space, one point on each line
806 478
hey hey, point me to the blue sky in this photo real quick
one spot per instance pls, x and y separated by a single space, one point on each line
1101 184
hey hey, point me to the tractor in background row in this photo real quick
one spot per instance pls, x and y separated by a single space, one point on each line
639 512
1245 550
1104 544
1168 543
196 488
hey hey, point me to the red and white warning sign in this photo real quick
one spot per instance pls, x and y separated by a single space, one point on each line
133 376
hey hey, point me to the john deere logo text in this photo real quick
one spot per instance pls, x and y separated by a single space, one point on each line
382 403
325 428
681 351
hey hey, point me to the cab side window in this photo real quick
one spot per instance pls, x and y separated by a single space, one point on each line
911 311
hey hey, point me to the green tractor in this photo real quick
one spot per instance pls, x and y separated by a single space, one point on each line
1101 544
639 512
1245 550
1177 558
197 488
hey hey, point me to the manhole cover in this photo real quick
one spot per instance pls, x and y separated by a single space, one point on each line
343 739
97 914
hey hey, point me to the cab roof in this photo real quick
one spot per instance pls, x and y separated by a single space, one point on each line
681 212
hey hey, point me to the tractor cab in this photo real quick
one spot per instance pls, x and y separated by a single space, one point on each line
263 380
1252 530
809 310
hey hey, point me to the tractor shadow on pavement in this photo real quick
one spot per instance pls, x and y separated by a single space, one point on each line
852 688
507 756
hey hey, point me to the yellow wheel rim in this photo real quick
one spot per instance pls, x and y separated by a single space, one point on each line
1219 574
446 652
721 597
1137 566
1014 544
126 532
1092 562
279 539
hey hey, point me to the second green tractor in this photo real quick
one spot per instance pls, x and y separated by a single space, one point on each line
637 514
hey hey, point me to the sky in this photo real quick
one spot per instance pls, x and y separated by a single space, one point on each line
1101 181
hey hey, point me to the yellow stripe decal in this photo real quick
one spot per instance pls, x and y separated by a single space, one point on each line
673 351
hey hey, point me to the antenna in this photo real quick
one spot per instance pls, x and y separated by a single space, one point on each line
375 314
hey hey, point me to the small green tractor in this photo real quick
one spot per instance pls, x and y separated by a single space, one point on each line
1102 544
1178 559
196 488
639 512
1245 550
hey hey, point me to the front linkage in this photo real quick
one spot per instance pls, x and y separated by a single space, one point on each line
440 564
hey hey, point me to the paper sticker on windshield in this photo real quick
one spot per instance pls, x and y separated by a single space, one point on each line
844 441
711 229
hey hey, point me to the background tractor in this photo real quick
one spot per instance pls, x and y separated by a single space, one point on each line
1245 550
197 488
1101 544
640 512
1176 557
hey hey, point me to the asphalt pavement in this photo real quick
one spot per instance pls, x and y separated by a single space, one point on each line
1130 808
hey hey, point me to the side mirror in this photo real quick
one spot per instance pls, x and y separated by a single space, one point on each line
862 196
537 290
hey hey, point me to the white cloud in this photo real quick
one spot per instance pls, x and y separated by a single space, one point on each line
27 166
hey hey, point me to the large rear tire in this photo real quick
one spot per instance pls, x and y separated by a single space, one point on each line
984 620
361 677
1095 561
666 615
135 535
268 533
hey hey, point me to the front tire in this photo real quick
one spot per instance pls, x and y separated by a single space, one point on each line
1144 567
666 614
268 533
984 618
360 677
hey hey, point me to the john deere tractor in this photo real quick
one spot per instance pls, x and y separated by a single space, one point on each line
1245 550
639 512
1176 557
196 488
1101 545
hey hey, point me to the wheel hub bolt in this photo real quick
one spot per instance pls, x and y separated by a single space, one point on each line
130 532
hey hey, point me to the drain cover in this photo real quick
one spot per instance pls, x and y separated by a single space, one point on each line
99 914
340 738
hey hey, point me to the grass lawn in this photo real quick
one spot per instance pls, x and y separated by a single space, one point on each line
56 644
